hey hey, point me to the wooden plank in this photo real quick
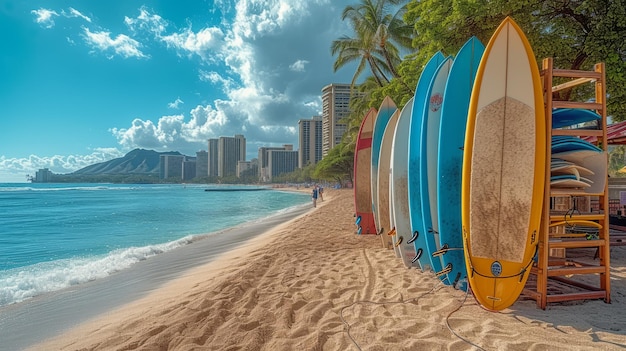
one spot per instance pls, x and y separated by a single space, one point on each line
577 104
568 244
553 272
578 132
571 73
543 254
572 84
587 295
604 253
531 293
582 217
575 283
573 192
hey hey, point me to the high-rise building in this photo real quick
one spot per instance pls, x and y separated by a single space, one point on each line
230 151
335 106
171 166
280 162
213 157
309 141
188 168
202 164
43 175
264 171
243 166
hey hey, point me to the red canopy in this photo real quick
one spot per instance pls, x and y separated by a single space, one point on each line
615 133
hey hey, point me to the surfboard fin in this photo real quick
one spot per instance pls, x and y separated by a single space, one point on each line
441 251
456 280
358 220
446 270
414 237
380 231
432 231
418 254
359 230
398 242
392 232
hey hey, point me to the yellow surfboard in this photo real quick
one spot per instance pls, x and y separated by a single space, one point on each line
503 169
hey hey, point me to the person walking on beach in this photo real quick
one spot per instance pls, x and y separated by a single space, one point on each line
314 196
320 191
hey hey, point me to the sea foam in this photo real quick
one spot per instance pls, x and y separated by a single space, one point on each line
17 285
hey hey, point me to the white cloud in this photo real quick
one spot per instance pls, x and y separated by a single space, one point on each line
75 13
121 45
280 51
206 43
176 104
147 21
45 17
259 17
298 66
271 61
214 77
16 169
173 132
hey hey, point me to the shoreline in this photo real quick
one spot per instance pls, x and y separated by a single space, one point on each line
55 312
311 283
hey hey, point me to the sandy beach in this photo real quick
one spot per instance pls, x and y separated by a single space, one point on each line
312 284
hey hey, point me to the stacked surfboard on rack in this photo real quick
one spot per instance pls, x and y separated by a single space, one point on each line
576 161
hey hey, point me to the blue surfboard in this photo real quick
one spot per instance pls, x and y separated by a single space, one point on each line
566 117
418 237
450 166
428 146
387 108
564 143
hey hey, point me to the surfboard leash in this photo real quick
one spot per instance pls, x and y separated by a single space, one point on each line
416 299
521 273
452 330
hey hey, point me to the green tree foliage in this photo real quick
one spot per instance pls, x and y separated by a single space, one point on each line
300 175
337 165
617 157
576 33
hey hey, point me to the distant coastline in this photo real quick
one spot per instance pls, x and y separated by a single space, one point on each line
129 178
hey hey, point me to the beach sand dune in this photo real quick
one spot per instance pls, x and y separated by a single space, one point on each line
312 284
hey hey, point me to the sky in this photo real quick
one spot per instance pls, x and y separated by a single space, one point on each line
83 82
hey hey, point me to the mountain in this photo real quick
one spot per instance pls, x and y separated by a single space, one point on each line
138 161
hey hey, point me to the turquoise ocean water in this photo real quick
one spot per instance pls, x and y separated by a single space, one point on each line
57 235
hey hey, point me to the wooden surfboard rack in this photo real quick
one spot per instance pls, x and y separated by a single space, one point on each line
557 277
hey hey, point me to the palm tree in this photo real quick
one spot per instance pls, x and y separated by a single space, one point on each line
359 49
376 34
